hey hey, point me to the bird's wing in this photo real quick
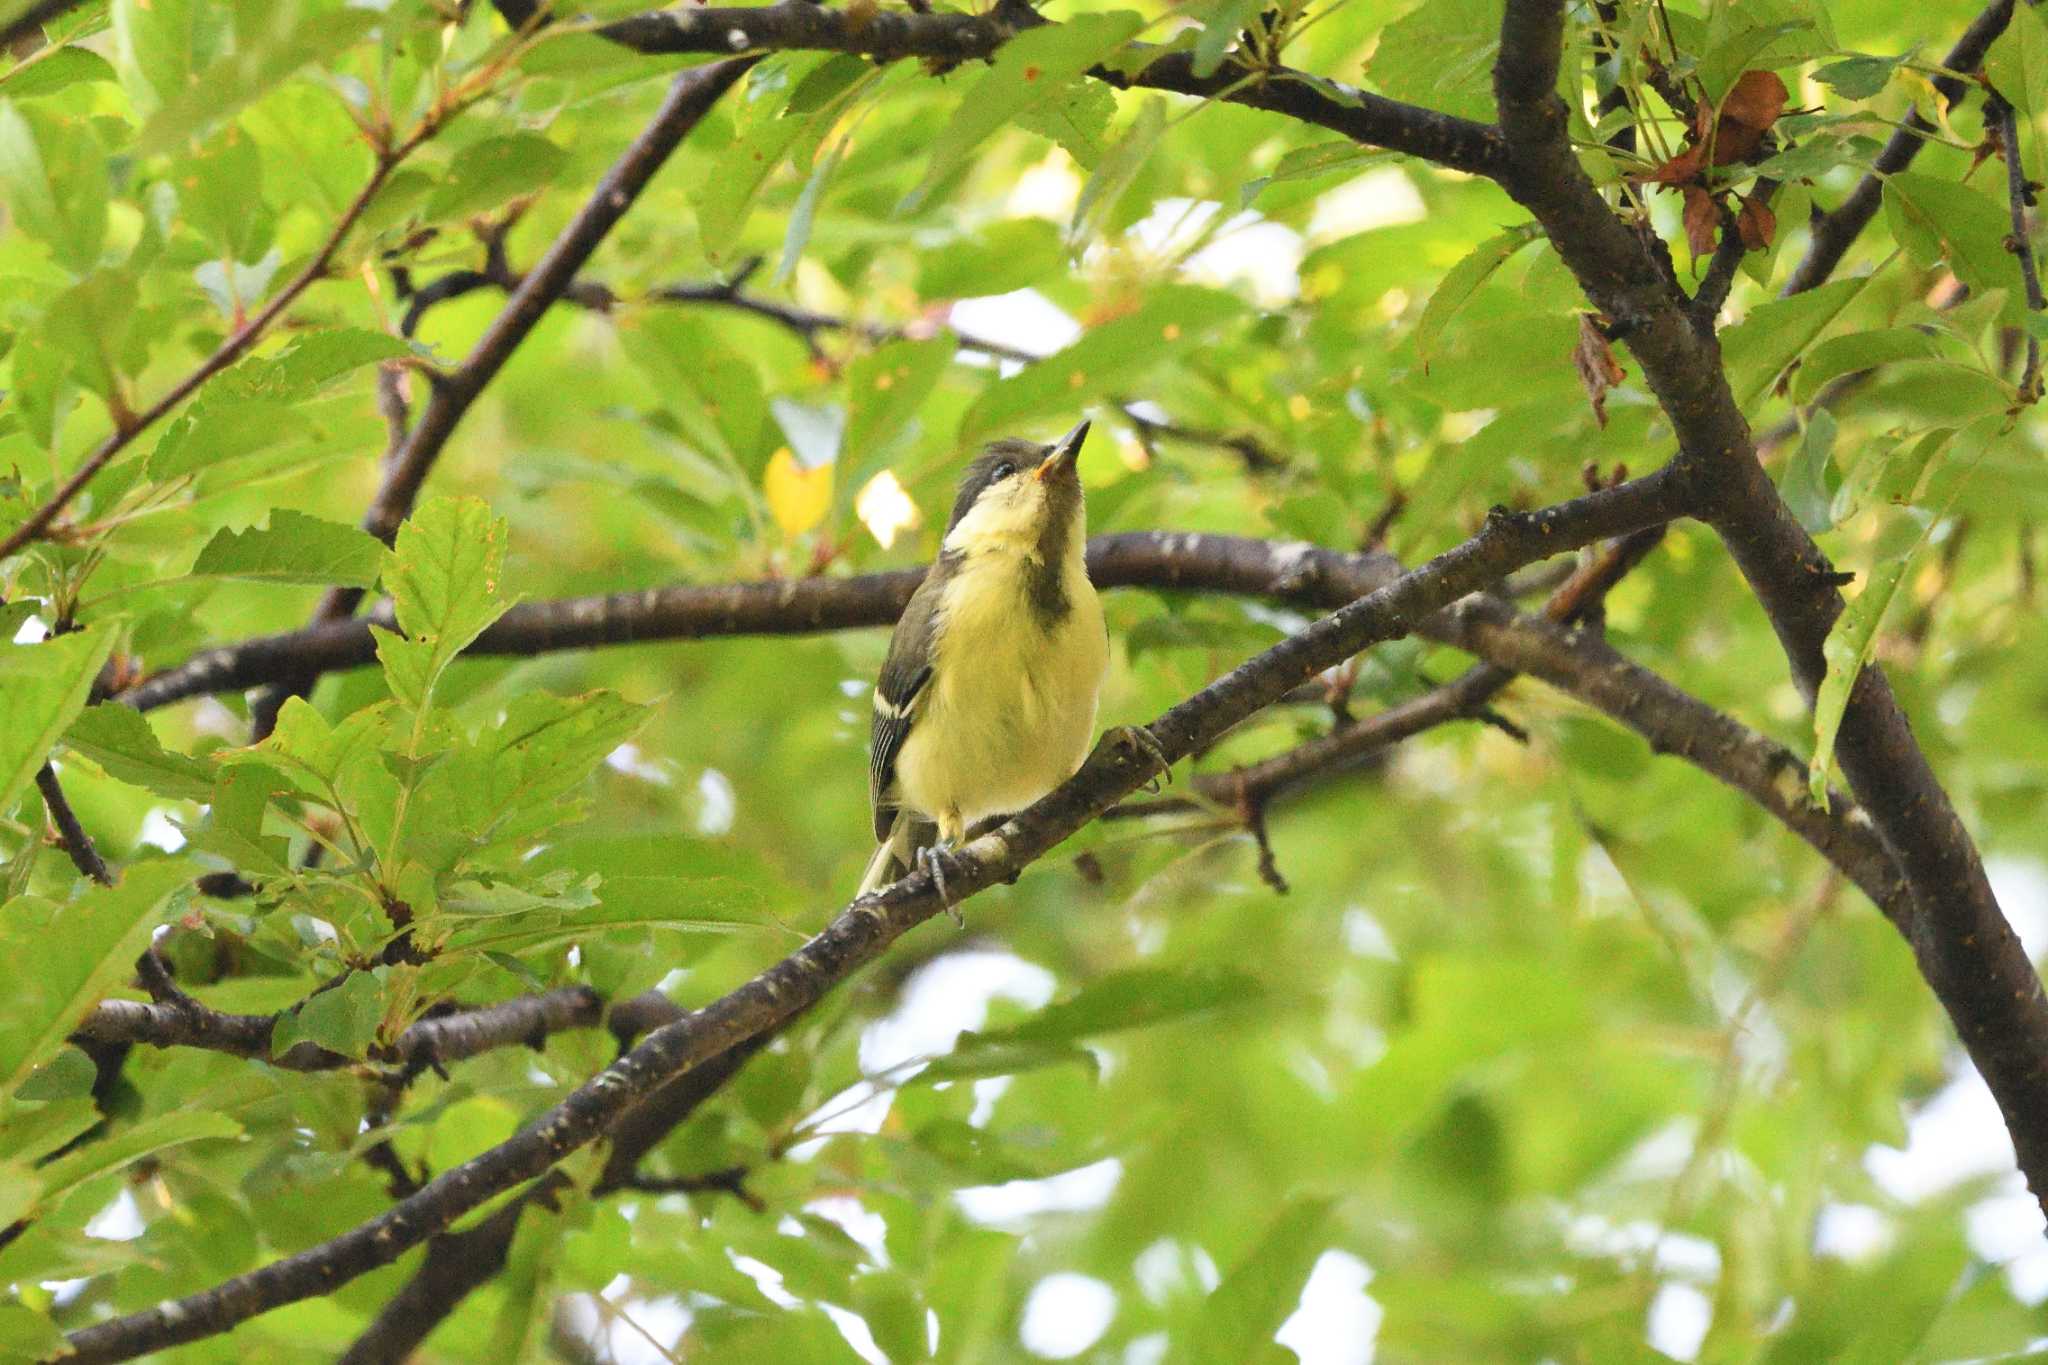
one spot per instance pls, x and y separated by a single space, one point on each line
898 694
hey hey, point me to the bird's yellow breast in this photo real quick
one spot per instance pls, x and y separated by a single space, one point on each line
1011 707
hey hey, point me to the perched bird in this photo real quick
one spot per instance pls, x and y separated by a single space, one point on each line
987 700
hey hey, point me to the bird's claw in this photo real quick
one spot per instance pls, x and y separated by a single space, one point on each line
1137 739
929 864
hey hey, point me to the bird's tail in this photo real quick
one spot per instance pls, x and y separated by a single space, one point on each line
897 854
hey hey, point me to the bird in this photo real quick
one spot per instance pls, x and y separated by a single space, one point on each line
987 699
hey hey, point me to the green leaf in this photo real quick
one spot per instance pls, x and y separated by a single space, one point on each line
222 195
887 388
1803 482
688 905
2017 67
110 1154
1855 632
1743 50
1113 175
53 70
219 428
53 177
343 1019
264 55
727 194
25 1333
81 952
445 576
1033 67
1440 55
1858 77
1076 118
1261 1291
798 235
1136 998
992 259
1222 22
120 742
67 1076
1462 281
234 826
293 548
1176 320
42 689
485 174
1936 219
978 1057
1857 351
510 783
1774 334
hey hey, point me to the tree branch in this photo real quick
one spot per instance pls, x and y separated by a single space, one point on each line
30 20
237 344
460 1263
1584 666
2020 193
1253 787
85 856
690 97
427 1044
796 25
1291 571
1964 947
864 929
1835 233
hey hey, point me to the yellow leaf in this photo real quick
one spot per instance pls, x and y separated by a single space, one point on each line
798 497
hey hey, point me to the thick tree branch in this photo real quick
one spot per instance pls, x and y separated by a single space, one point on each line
1291 571
795 25
1584 666
1254 786
429 1043
864 929
460 1263
31 19
1964 947
1834 234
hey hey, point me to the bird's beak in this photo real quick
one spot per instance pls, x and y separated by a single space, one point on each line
1061 461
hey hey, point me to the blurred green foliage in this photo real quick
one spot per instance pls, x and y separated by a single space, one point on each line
1544 1032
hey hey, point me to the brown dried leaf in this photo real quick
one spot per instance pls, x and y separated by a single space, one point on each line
1687 165
1702 217
1597 367
1755 100
1756 224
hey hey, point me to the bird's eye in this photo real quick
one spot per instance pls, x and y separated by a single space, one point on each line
1003 470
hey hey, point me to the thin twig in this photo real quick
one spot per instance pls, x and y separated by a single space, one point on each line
2020 192
84 855
237 344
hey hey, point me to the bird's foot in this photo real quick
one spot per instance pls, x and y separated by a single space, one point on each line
1136 739
929 861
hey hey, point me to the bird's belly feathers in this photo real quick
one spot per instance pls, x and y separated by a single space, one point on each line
1011 710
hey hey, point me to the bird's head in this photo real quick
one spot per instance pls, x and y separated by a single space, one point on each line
1020 493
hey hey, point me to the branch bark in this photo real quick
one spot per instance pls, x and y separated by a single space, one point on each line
862 931
1961 941
1834 234
446 1038
795 25
237 344
691 96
